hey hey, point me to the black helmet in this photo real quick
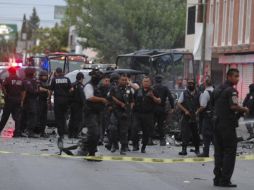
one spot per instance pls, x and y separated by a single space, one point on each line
158 78
114 76
43 73
95 73
29 71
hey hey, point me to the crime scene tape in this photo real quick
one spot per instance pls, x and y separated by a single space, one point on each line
132 159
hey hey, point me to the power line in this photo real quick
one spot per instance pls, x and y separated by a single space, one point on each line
19 19
27 4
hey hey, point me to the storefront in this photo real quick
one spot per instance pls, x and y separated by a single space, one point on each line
244 63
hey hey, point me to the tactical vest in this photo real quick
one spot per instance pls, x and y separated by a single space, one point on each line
191 102
76 96
94 106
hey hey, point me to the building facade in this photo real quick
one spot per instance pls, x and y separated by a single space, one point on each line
232 38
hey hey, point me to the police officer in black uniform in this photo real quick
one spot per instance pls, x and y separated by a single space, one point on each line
123 102
12 89
145 100
189 103
160 110
61 87
112 120
227 112
207 110
43 102
77 104
105 113
94 105
30 101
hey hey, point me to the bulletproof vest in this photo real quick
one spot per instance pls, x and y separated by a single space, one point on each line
13 86
143 103
162 91
61 88
43 95
123 94
31 86
222 106
77 89
94 106
191 102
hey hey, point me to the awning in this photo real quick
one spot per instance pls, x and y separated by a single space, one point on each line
236 59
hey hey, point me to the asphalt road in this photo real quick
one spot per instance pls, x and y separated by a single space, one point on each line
19 172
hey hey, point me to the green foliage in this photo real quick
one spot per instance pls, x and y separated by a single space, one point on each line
24 25
52 39
33 24
122 26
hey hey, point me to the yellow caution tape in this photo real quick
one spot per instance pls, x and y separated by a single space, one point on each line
132 159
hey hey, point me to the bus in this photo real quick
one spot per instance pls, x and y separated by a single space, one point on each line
175 65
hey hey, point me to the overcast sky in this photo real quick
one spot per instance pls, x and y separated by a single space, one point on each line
12 11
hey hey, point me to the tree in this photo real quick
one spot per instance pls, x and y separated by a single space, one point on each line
52 39
33 24
24 26
119 26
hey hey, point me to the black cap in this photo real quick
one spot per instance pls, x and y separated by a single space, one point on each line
80 76
59 70
158 78
30 71
43 73
114 76
95 72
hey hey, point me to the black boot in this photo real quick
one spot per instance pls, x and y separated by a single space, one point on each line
143 149
135 147
163 142
197 152
150 142
123 150
184 151
113 148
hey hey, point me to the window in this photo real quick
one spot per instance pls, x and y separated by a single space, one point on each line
240 23
248 22
231 21
211 12
224 22
191 20
217 18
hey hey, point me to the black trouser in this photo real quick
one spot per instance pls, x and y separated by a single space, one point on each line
13 108
189 129
60 109
42 115
93 130
207 133
145 122
113 129
76 119
120 131
104 122
160 118
225 144
31 114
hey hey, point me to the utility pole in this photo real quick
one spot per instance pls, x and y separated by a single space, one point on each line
203 47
